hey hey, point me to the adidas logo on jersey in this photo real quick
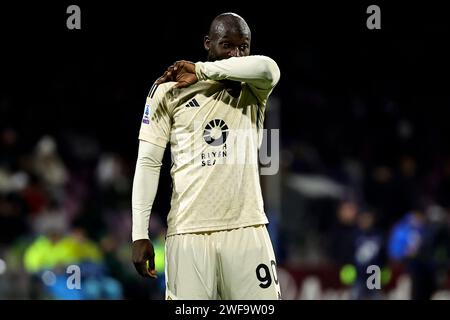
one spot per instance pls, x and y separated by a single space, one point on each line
192 103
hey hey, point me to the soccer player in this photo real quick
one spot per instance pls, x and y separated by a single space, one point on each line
212 113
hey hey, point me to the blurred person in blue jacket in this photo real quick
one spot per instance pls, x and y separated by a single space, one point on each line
412 243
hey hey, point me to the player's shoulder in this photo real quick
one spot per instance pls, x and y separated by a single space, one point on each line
170 95
167 90
205 88
160 90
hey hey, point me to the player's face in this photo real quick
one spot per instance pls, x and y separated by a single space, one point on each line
229 44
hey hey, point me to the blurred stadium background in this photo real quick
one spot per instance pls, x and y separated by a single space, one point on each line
364 173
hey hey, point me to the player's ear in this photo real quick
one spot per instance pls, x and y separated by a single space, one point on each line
207 43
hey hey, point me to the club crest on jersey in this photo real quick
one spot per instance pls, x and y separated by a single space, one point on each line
215 134
146 113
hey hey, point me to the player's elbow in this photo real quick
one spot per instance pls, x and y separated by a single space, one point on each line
269 71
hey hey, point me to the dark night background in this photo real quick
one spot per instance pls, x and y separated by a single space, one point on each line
95 78
377 97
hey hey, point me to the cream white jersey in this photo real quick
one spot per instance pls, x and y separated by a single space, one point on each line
214 138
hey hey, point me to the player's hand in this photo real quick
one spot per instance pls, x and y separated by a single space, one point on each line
144 258
183 72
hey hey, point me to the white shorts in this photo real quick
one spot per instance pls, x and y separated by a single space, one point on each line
237 264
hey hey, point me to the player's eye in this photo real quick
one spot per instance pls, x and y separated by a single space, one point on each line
226 45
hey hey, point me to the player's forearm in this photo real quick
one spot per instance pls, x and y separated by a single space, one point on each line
259 71
145 185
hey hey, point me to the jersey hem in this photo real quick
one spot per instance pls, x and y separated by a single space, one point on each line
172 232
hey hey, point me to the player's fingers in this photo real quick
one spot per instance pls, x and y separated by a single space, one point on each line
186 66
153 274
141 268
178 65
169 71
159 80
163 78
152 271
150 266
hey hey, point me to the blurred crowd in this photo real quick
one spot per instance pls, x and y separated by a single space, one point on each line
58 213
367 182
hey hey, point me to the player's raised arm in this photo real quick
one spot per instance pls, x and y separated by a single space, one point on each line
261 73
258 71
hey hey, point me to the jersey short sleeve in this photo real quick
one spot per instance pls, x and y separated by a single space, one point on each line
157 118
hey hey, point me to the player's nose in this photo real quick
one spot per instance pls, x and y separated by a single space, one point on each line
235 52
